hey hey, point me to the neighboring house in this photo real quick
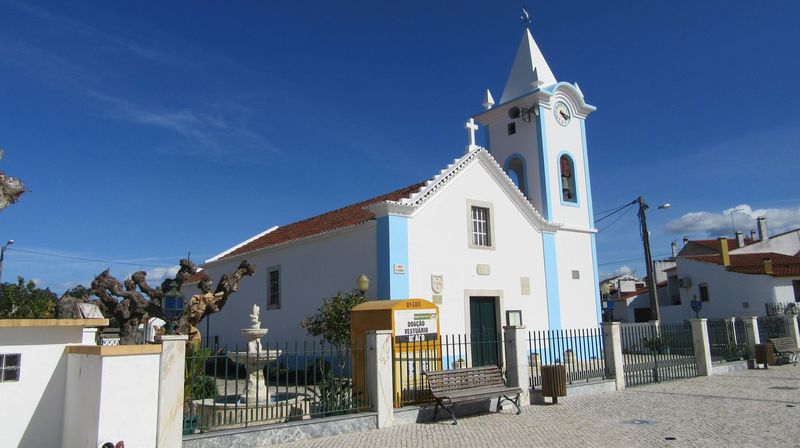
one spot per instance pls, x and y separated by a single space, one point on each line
504 228
735 278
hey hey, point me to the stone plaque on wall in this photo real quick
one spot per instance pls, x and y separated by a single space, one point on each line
525 286
437 283
483 269
437 299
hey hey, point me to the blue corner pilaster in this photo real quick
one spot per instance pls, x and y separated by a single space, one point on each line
544 169
590 208
392 234
551 281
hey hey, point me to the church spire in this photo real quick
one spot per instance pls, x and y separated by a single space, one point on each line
529 72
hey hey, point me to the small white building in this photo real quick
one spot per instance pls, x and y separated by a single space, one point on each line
509 227
741 277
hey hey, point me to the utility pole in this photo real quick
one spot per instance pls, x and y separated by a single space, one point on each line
3 255
648 258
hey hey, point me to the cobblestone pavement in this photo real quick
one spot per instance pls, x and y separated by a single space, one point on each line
758 408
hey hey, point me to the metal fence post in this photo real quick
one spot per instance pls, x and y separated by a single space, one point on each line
794 332
753 338
612 346
379 375
702 350
170 390
517 355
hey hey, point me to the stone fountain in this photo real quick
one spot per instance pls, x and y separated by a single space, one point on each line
253 405
254 360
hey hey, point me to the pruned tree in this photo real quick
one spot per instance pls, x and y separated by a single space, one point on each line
126 302
11 188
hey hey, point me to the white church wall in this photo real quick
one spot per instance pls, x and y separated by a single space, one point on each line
439 244
578 297
310 270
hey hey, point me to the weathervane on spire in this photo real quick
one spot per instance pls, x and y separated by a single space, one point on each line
526 18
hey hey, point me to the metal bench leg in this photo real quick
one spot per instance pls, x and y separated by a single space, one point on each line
436 410
451 413
515 402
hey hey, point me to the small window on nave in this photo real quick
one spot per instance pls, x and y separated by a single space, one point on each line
568 193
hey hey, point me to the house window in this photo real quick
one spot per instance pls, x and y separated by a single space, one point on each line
576 275
703 292
796 286
274 288
481 235
9 367
512 128
568 193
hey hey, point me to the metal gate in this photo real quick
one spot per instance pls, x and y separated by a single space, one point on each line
655 353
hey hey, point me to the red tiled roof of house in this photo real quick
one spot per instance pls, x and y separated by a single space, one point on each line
782 265
714 244
337 219
195 278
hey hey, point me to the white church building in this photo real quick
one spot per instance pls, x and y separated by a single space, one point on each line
504 228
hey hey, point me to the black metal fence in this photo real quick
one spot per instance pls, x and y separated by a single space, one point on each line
782 308
652 354
411 358
773 327
727 339
580 351
275 383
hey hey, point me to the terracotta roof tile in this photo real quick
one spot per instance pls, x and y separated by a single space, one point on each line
337 219
782 265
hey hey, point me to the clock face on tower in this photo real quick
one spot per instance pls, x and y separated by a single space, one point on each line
562 114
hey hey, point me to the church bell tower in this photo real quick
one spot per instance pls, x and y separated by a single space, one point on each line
537 134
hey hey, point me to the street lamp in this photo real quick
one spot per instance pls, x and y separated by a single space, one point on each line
648 258
363 284
732 224
173 305
2 256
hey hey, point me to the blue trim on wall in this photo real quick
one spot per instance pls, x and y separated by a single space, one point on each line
586 175
591 221
544 171
524 180
596 281
551 281
392 234
577 202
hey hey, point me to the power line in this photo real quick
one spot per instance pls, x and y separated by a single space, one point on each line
624 207
615 221
632 259
612 209
96 260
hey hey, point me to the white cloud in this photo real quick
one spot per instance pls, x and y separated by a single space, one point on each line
157 275
744 218
624 269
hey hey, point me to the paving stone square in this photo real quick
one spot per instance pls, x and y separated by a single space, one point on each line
752 408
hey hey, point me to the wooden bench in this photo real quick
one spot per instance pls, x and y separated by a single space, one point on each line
785 347
475 383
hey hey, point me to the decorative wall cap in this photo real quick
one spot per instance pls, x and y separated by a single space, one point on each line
10 323
114 350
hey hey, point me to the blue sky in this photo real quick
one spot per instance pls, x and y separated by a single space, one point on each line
145 131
